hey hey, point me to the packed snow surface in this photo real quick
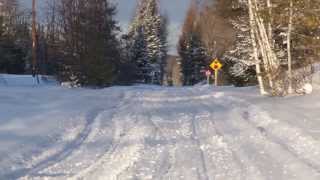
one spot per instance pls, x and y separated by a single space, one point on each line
149 132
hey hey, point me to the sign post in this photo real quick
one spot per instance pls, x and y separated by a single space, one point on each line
216 77
208 74
216 66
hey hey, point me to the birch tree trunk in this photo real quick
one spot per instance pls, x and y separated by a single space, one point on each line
272 59
263 40
255 49
271 62
290 89
269 6
263 52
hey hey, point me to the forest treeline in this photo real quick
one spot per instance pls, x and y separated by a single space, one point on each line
79 41
269 43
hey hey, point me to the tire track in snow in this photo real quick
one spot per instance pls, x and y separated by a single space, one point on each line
226 156
195 137
166 162
214 144
156 157
123 130
275 139
166 165
247 162
258 140
263 132
195 122
66 151
226 132
57 160
114 152
296 145
202 171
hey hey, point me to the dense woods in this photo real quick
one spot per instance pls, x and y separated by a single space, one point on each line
270 43
79 42
14 38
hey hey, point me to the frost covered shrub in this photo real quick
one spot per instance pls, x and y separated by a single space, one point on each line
242 74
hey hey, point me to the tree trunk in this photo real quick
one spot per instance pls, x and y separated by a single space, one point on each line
255 49
269 6
271 63
290 89
34 40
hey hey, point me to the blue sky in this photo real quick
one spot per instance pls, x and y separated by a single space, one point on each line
175 9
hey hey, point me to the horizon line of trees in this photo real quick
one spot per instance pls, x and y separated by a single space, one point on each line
79 42
269 43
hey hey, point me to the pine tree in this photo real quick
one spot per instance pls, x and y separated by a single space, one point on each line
14 36
140 55
163 46
191 50
90 47
240 57
149 25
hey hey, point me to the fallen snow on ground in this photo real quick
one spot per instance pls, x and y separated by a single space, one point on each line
149 132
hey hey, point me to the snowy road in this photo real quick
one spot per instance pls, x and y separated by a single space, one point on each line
140 133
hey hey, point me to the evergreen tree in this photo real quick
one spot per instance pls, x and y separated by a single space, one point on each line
140 55
14 38
164 46
191 50
239 57
148 25
91 50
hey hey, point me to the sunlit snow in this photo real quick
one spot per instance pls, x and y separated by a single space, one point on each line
151 132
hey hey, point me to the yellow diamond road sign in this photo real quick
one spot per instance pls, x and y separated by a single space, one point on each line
216 65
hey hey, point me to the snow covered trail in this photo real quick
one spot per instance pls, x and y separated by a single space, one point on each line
149 132
264 154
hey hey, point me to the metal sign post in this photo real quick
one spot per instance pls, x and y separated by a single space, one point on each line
216 66
216 72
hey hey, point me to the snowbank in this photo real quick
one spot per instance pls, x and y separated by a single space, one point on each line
24 80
